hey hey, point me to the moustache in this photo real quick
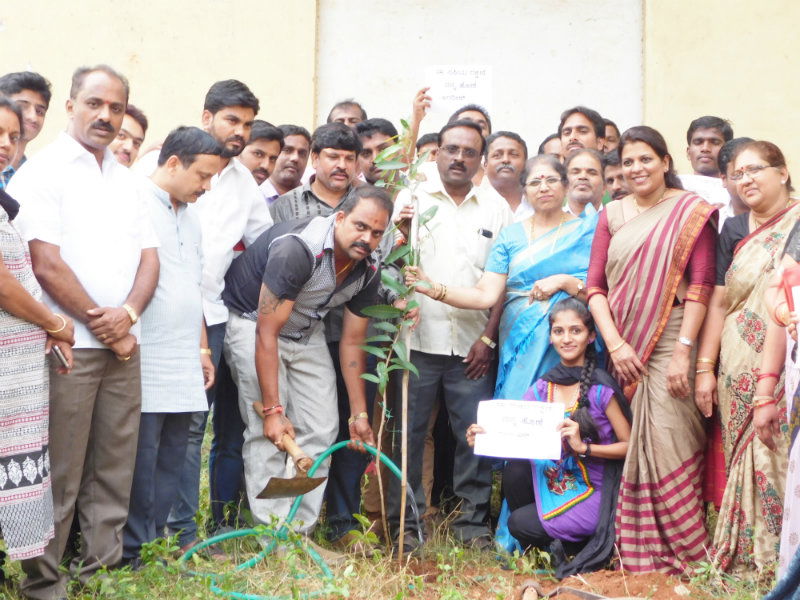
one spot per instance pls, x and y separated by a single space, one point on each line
235 138
458 165
105 126
339 172
508 166
364 246
619 194
259 171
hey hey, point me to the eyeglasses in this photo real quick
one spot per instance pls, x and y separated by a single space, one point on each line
751 171
550 181
452 150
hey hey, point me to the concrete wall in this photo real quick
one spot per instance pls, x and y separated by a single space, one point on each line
731 58
546 56
171 51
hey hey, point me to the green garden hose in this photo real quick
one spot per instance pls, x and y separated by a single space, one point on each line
279 535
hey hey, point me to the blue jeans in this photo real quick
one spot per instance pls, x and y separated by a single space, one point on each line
159 459
182 516
225 464
343 494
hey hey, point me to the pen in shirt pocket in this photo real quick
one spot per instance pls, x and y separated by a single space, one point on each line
485 233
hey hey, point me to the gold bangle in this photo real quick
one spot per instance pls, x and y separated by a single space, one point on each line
354 418
489 341
617 347
707 361
63 325
703 371
444 292
131 313
757 398
782 314
206 351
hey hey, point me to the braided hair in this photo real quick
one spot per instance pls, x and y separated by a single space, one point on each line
581 415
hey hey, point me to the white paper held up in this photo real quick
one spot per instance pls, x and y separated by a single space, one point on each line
519 429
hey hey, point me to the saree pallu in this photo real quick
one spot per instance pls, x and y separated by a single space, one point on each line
525 350
660 519
749 523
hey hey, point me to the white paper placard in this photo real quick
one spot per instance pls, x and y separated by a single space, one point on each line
519 429
453 86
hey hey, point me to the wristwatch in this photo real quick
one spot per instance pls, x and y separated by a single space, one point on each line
489 341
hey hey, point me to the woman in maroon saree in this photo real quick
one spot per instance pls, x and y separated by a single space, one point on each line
650 278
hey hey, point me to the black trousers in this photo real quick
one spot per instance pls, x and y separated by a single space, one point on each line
524 523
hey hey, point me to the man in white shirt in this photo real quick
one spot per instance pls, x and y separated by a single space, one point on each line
585 184
704 138
506 153
94 252
232 211
453 348
176 361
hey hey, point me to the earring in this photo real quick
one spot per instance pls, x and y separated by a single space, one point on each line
783 182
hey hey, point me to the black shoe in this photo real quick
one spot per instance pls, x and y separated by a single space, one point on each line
481 543
412 544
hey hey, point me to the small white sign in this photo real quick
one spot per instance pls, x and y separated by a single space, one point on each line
519 429
453 86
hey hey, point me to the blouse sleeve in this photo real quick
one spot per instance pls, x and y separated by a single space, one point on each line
733 231
793 243
500 255
702 266
596 282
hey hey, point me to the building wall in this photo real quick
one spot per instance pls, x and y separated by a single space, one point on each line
546 56
730 58
171 51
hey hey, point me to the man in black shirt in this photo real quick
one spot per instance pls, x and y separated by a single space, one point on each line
277 293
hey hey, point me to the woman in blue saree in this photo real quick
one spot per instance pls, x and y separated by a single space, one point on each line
535 263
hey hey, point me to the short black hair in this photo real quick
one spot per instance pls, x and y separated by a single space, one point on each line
14 83
552 136
186 143
510 135
229 92
610 123
598 122
728 151
428 138
6 102
710 122
611 159
595 154
262 130
81 72
378 195
375 125
288 130
463 123
335 135
477 108
345 103
137 115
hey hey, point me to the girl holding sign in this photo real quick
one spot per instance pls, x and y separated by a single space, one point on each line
569 504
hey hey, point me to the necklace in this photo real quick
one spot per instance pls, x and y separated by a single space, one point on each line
551 396
532 228
347 266
756 223
639 209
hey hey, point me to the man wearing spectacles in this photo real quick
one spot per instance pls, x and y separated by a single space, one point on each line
453 349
